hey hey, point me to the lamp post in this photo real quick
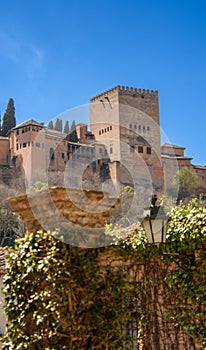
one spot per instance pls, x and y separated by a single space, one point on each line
155 223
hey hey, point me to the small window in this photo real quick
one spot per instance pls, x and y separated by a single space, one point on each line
62 155
17 132
135 126
100 132
24 145
42 145
32 143
111 150
38 144
148 128
132 149
139 127
140 149
28 143
107 128
17 146
98 161
22 131
143 128
130 126
110 127
20 145
149 151
100 150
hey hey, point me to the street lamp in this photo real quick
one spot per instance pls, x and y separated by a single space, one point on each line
155 223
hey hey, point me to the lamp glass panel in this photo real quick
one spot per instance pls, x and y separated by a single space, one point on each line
157 226
147 228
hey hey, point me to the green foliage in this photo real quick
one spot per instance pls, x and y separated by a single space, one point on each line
63 297
186 284
39 186
50 125
66 127
58 297
9 120
58 125
187 225
72 136
11 226
186 181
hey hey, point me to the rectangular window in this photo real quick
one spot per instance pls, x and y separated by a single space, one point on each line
100 150
20 145
132 149
32 143
38 144
28 143
24 145
149 151
140 149
107 128
111 150
110 127
17 132
62 155
99 132
17 146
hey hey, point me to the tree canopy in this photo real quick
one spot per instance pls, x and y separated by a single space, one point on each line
66 127
186 180
9 120
58 125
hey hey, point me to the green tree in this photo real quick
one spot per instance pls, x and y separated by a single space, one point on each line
186 181
50 125
58 125
66 127
63 299
11 225
72 136
9 120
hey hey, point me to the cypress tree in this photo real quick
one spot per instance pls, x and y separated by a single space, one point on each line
58 125
9 120
72 136
51 125
66 127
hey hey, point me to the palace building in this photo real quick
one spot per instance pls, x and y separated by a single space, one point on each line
123 145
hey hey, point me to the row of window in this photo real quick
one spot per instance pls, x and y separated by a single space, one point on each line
27 129
27 144
107 129
140 128
140 149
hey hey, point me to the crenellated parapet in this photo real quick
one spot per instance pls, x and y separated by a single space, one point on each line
107 93
126 90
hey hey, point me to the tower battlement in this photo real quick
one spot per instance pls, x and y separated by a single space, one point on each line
126 90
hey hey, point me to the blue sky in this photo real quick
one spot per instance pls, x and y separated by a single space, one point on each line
56 55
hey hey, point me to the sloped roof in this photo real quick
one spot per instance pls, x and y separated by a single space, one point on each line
172 146
28 122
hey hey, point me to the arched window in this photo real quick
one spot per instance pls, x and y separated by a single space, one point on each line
51 153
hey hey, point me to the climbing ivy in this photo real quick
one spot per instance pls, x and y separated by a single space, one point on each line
58 297
63 297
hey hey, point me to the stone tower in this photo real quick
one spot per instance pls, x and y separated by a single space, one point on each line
126 120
